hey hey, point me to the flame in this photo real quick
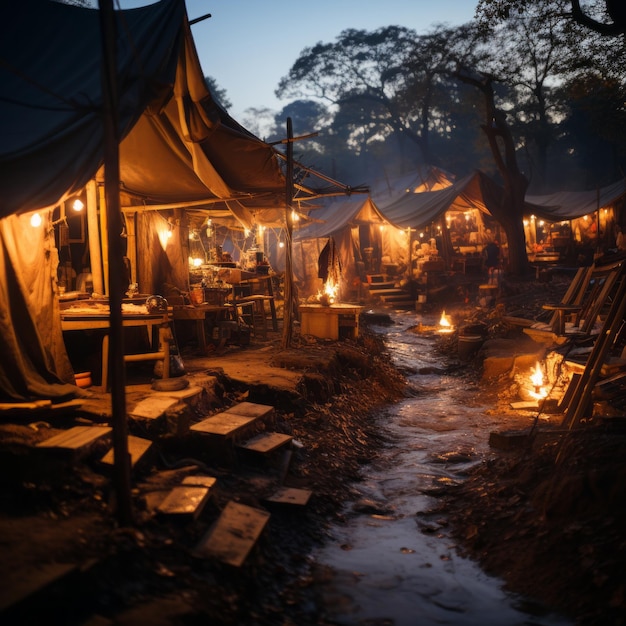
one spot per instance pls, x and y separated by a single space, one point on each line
536 378
330 292
445 320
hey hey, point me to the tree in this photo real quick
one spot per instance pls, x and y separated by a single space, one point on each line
595 127
219 95
615 10
510 210
390 77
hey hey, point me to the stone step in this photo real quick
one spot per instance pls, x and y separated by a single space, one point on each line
234 534
138 447
374 287
75 442
290 495
233 420
185 501
266 442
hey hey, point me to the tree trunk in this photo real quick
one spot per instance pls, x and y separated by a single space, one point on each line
510 211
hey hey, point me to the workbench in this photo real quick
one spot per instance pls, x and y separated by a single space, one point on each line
99 320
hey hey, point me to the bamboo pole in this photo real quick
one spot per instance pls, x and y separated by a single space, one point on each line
121 464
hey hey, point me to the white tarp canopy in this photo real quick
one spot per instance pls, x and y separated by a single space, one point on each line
568 205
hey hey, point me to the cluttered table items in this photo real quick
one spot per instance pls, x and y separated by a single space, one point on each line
82 315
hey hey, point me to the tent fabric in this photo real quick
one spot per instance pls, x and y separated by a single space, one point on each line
336 215
417 210
51 95
177 144
387 189
568 205
34 363
474 191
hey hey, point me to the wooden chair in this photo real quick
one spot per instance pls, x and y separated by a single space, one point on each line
579 315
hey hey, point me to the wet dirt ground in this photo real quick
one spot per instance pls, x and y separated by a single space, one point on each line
410 508
392 561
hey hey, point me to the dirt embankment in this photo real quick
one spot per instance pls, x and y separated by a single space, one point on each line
147 574
551 527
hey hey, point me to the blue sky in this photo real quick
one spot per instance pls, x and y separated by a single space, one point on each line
247 46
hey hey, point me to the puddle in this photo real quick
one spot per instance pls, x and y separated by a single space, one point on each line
386 565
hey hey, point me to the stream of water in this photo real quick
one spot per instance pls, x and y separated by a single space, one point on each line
380 568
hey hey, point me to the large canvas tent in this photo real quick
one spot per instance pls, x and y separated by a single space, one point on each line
568 205
178 148
356 226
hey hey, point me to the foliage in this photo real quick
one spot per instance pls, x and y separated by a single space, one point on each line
607 17
219 95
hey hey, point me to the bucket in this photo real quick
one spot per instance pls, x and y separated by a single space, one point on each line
83 379
468 345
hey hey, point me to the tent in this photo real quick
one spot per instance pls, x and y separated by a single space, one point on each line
573 219
361 235
178 149
568 205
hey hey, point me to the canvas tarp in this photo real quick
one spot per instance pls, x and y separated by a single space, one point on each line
474 191
177 146
569 205
353 225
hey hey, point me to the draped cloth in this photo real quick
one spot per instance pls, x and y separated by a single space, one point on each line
34 363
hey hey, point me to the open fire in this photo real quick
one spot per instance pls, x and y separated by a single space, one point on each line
330 293
538 391
445 324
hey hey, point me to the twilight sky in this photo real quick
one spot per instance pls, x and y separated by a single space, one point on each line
247 46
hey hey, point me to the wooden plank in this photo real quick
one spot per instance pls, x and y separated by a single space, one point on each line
200 481
76 437
290 495
251 409
153 406
25 406
234 534
525 404
137 448
181 394
185 500
266 442
224 424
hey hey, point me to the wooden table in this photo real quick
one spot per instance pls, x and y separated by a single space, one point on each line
199 313
97 321
330 322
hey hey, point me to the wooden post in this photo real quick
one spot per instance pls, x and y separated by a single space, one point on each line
105 244
131 244
122 462
95 251
288 307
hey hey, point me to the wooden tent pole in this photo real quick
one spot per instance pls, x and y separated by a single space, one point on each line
121 464
288 306
105 244
93 228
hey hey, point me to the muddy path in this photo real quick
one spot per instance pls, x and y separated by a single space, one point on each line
390 561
